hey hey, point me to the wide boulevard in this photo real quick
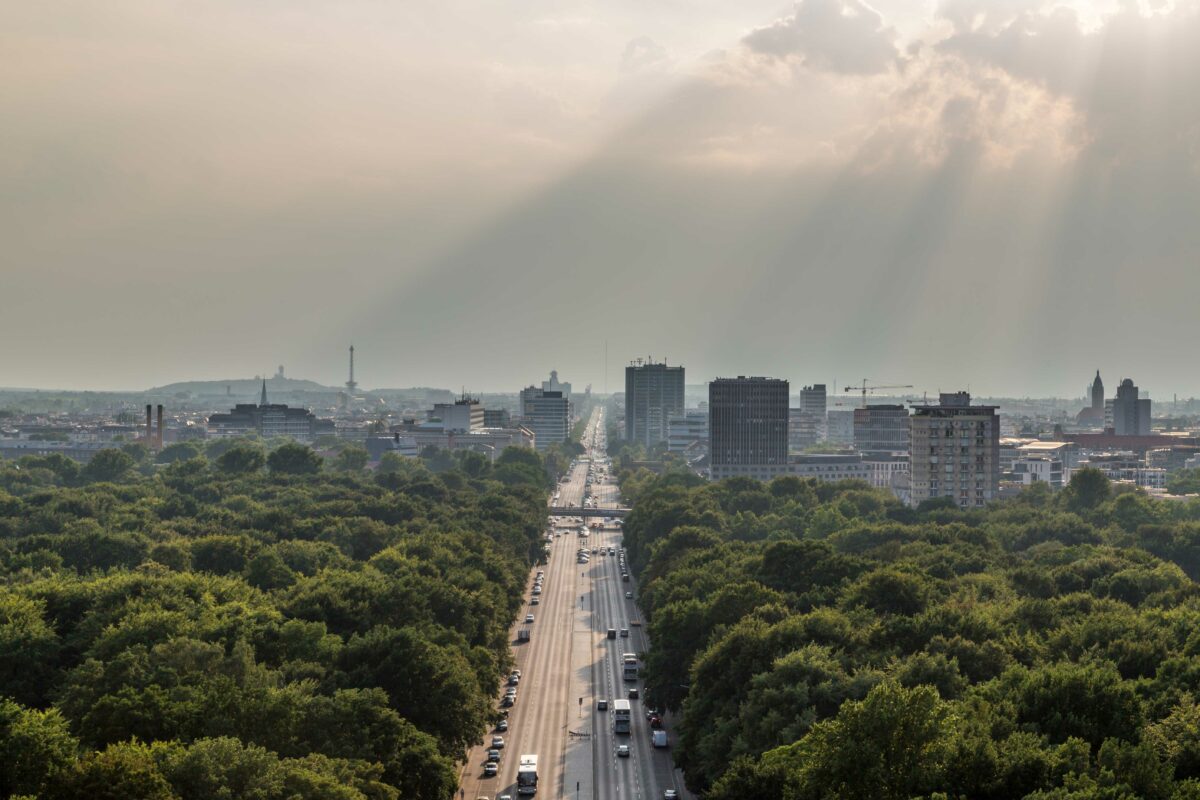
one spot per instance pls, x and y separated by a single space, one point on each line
569 665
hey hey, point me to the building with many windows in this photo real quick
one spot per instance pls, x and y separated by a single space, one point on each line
547 414
881 428
464 414
1128 414
955 451
806 424
747 428
268 420
653 395
686 430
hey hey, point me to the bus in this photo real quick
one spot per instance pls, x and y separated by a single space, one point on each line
629 666
622 717
527 777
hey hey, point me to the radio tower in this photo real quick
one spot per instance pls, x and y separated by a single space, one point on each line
351 385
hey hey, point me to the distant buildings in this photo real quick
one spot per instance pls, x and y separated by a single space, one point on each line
1094 414
839 426
268 420
747 428
464 414
554 385
829 466
806 424
1128 414
496 418
688 430
883 428
955 451
547 414
653 395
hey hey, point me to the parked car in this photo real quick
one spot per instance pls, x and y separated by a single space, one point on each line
528 618
490 769
502 725
498 742
493 755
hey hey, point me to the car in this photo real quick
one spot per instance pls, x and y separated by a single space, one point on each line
670 794
516 672
511 692
623 751
629 595
513 680
633 694
624 633
490 769
535 601
602 704
493 755
528 618
537 590
612 633
502 725
504 797
498 742
507 701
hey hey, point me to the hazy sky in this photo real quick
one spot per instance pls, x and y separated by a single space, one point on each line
996 193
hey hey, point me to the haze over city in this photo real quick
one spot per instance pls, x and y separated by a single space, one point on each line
995 193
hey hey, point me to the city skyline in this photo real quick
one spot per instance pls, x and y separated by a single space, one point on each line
986 182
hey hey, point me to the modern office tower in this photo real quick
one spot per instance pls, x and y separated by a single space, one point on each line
747 428
955 451
464 414
1128 415
653 394
881 428
806 424
839 426
812 399
547 414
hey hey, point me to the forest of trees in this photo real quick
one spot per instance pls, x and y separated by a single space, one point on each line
255 623
824 641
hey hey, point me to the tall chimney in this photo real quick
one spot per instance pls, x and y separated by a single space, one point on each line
149 427
160 427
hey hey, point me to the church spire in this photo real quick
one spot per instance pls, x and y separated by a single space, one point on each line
263 402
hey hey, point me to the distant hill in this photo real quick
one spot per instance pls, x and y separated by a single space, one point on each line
242 386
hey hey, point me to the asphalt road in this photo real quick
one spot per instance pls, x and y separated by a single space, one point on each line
569 664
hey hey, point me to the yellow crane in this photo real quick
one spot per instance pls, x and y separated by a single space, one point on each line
873 389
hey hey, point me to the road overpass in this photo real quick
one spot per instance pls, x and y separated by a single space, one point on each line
580 511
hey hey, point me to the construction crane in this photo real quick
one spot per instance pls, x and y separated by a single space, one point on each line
872 389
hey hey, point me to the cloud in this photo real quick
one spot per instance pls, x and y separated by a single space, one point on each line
844 36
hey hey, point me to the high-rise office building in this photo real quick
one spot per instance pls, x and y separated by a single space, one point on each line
464 414
806 424
1128 414
955 451
653 394
547 414
747 428
881 428
839 426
